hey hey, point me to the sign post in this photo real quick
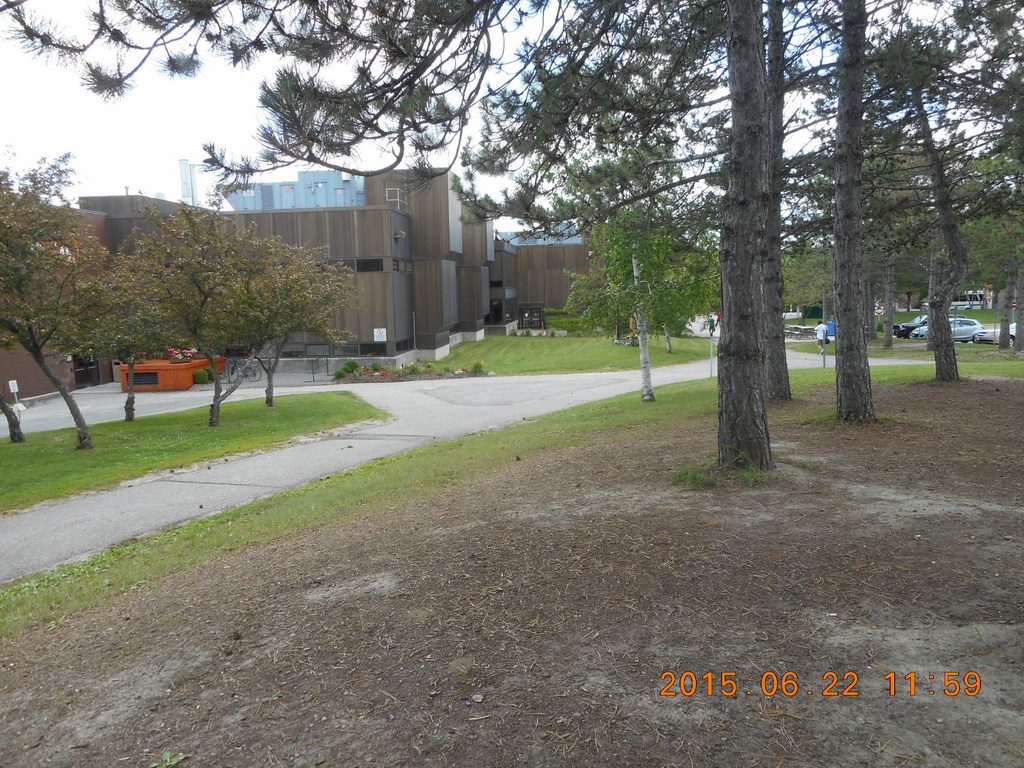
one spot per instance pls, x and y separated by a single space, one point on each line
12 384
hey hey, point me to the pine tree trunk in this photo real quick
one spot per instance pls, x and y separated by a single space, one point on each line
933 282
776 367
13 422
939 331
1011 295
743 438
853 376
890 299
870 323
646 388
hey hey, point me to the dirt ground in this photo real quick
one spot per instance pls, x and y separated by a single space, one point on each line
530 618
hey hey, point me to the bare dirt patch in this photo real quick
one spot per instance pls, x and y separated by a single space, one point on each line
528 617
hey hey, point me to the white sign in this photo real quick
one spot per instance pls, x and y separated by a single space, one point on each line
380 334
879 311
13 386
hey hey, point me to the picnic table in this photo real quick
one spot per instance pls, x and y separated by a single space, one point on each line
800 331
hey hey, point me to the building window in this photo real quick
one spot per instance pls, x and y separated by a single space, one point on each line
373 350
318 350
369 265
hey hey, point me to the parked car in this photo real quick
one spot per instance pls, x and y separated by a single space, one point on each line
989 337
964 330
903 330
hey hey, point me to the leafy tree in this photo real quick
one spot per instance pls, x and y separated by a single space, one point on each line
49 271
294 290
949 93
644 274
597 77
133 329
198 263
218 286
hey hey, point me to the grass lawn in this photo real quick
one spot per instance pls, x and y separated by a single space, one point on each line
47 465
383 484
515 355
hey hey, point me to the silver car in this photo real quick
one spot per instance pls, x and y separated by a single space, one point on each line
964 330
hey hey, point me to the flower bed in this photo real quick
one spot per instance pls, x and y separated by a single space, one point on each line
413 372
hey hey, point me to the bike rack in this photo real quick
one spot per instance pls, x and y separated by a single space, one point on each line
318 363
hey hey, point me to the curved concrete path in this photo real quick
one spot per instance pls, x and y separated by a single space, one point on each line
422 412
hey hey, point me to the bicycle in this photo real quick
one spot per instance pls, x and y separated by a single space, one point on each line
249 371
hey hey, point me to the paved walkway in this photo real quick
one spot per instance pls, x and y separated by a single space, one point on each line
422 412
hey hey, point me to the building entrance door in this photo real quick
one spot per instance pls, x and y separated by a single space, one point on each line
87 372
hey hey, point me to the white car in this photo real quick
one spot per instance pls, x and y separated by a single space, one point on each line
989 337
964 330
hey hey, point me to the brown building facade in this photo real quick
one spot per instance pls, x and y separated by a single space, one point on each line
424 281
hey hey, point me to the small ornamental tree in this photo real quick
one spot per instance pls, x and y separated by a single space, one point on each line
195 261
292 291
133 329
220 286
49 271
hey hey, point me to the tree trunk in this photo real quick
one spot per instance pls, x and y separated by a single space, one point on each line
220 393
84 440
870 321
743 438
1010 296
217 390
890 299
933 282
270 368
853 376
776 368
646 388
1018 343
268 393
13 422
940 334
129 402
668 340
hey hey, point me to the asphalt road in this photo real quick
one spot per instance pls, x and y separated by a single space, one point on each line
422 412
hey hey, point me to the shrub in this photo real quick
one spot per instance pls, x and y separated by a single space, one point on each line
350 366
559 318
412 369
376 367
477 367
202 376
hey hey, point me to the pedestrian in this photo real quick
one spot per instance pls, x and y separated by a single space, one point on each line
821 334
711 325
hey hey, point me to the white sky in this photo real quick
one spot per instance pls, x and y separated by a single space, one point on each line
135 141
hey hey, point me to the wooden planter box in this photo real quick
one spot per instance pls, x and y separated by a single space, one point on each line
164 375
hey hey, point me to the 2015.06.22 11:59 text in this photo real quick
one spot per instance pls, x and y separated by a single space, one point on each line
788 684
